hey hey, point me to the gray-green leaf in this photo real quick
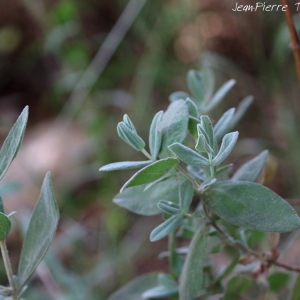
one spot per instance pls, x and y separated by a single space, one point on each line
178 96
5 225
186 193
208 182
251 169
40 232
251 206
13 142
188 155
169 207
173 126
125 165
228 142
165 228
159 292
155 136
151 172
196 85
130 136
144 202
222 126
191 280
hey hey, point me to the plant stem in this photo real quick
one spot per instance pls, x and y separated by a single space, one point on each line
186 174
8 270
147 154
294 37
171 253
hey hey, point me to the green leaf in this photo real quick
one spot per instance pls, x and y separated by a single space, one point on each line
40 232
193 110
251 206
1 206
178 96
208 182
198 173
278 281
155 136
144 202
13 142
168 175
169 207
240 111
251 169
128 122
186 193
159 292
206 124
167 280
151 172
173 126
236 286
165 228
296 290
219 95
5 225
130 136
222 126
196 86
188 155
228 142
135 288
191 280
125 165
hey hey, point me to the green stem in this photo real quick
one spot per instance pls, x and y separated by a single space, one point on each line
212 168
186 174
8 270
172 249
147 154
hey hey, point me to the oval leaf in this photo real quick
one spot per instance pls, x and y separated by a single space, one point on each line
186 193
191 280
144 202
222 126
178 96
40 232
125 165
13 142
5 225
173 126
251 206
155 135
165 228
169 207
196 84
228 142
151 172
251 169
188 155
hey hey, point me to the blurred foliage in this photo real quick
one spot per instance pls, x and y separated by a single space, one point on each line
45 47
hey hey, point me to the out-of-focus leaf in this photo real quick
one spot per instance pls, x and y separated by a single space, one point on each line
155 136
278 281
193 110
135 288
13 142
5 225
151 172
196 85
186 193
206 183
169 207
188 155
165 228
166 280
178 96
251 206
251 169
144 202
219 95
159 292
173 126
125 165
191 280
1 206
296 290
236 286
222 126
40 232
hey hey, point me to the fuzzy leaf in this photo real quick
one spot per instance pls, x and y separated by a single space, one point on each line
251 206
159 292
196 85
125 165
178 96
155 136
151 172
219 95
251 169
188 155
169 207
173 126
191 280
222 126
193 110
206 183
40 232
13 142
130 136
144 202
165 228
186 193
228 142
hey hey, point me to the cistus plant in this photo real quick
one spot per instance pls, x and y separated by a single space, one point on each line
187 151
42 224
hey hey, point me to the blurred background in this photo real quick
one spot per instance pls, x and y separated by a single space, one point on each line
80 66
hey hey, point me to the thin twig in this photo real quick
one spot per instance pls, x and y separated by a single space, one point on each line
294 37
